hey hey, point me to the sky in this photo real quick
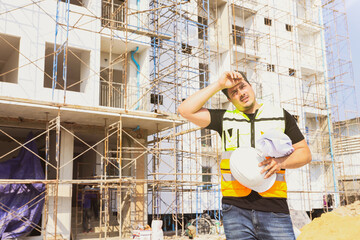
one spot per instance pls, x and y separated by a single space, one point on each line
353 11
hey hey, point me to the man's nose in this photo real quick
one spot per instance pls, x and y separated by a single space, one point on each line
241 91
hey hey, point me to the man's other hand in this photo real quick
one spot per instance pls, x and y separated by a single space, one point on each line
272 165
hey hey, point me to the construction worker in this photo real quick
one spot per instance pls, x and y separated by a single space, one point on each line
87 209
248 214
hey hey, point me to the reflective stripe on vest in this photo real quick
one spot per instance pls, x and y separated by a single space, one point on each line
229 177
240 131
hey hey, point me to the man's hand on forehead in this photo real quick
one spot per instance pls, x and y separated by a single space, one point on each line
230 79
235 75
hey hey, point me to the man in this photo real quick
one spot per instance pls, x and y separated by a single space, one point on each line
248 214
87 209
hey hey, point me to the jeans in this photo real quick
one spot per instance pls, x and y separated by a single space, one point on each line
242 223
86 219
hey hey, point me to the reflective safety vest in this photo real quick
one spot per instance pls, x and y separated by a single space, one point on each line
240 131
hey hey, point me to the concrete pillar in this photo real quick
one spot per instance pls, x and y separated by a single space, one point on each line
64 193
141 188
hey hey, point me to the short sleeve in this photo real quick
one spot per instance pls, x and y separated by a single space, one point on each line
292 129
216 119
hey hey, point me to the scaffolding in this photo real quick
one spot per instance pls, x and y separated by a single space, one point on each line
126 146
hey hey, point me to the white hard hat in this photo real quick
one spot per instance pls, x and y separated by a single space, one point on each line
244 167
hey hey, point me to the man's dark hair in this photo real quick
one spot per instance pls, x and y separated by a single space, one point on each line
225 90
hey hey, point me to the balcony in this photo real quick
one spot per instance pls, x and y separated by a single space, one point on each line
311 59
114 14
118 16
245 45
314 100
308 18
245 9
116 96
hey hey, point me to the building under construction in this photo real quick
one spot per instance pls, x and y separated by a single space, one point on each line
89 92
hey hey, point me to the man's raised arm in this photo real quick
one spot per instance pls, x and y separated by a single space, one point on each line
192 108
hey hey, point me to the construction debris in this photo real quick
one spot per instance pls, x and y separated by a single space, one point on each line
349 210
191 232
341 224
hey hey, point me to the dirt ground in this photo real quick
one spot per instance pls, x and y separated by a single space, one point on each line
341 224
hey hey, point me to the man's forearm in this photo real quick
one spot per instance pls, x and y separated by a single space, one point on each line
191 108
300 157
196 101
297 159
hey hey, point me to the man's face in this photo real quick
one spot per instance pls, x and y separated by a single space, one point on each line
243 97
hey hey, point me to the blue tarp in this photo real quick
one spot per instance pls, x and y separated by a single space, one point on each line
21 204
